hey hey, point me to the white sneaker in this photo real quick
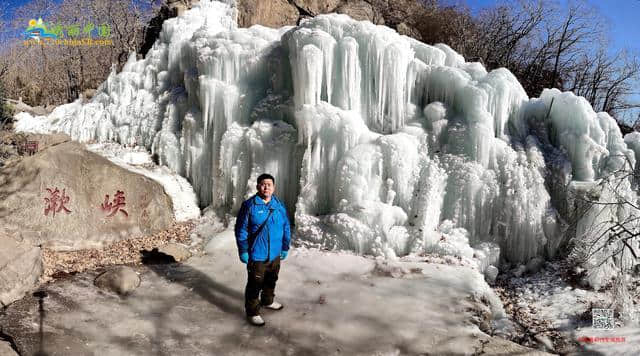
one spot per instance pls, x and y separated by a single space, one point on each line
274 306
256 320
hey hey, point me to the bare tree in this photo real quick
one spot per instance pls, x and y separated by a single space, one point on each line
544 45
505 29
579 26
606 81
607 225
60 73
4 110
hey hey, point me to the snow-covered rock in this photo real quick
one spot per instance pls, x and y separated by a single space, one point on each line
490 274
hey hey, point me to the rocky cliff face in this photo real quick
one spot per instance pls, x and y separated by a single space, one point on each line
171 8
401 15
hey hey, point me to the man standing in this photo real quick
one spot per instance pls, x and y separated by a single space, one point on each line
262 235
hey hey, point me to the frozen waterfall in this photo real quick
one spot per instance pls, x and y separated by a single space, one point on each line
379 143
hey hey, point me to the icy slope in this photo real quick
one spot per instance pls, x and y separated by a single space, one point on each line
379 143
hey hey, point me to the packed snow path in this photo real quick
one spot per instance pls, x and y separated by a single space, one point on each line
335 304
380 144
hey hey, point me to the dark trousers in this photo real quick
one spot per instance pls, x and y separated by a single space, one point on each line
262 276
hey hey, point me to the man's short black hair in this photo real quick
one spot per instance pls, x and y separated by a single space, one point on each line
264 176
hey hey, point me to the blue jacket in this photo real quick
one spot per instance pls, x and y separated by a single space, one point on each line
274 237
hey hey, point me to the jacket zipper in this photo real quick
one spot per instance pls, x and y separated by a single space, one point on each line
268 242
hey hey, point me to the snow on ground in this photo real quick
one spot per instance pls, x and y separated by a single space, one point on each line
549 304
138 160
24 122
336 303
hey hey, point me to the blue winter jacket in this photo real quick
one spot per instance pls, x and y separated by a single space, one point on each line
274 237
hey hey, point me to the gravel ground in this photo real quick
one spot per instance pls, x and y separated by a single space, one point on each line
549 306
10 144
59 263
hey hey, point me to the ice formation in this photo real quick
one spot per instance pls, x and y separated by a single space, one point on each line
379 143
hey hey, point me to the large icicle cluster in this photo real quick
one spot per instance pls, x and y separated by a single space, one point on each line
380 144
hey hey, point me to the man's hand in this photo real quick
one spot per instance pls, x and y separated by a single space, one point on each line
244 257
283 255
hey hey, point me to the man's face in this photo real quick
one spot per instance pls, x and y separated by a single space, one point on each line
265 188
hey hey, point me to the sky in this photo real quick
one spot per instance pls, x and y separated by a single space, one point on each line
10 5
622 15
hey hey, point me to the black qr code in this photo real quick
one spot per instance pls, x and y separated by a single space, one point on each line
602 318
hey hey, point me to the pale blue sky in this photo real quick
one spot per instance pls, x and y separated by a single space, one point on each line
622 15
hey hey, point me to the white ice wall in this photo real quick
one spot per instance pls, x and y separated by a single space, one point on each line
381 144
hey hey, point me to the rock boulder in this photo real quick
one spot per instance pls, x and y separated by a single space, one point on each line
177 251
362 11
275 13
66 198
6 350
20 268
122 280
316 7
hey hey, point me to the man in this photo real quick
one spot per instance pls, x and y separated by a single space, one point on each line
262 235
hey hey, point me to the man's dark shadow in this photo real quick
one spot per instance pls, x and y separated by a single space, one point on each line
227 299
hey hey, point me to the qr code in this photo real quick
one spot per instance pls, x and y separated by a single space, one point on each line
602 318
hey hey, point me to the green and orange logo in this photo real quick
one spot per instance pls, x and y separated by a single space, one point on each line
37 30
57 34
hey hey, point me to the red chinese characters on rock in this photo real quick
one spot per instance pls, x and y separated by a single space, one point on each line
28 147
116 205
55 203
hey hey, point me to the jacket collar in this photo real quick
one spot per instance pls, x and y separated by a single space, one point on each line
258 200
